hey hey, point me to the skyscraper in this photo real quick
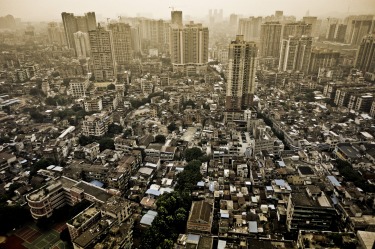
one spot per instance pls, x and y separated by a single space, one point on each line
189 45
295 53
102 54
365 59
121 33
82 44
176 18
70 26
313 21
296 29
233 20
270 37
322 59
56 34
241 77
361 27
250 28
73 24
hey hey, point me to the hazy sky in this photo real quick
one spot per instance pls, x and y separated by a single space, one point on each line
45 10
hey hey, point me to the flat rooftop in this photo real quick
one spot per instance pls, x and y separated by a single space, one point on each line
97 192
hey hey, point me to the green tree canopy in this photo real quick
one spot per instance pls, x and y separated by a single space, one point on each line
160 139
106 143
172 127
111 87
193 154
188 179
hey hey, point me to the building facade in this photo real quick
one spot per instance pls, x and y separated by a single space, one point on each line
295 54
82 44
121 33
250 28
73 24
365 59
102 54
189 46
270 38
241 76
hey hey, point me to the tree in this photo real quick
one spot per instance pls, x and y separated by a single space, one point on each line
188 179
106 143
173 209
66 81
55 74
160 139
65 235
193 154
114 129
83 140
41 164
36 116
172 127
127 133
111 87
13 217
188 103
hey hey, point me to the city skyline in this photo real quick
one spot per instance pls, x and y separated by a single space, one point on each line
195 8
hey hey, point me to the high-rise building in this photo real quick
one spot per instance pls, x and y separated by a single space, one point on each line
176 18
241 77
233 20
361 27
270 37
341 32
7 22
322 59
295 54
313 21
121 33
82 44
56 34
136 39
154 33
189 45
102 54
365 59
250 28
70 26
296 29
73 24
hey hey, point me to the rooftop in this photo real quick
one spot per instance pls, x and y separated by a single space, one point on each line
92 190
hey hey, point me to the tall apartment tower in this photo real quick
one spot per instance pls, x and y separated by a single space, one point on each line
70 26
82 44
233 19
250 28
365 59
122 42
189 45
56 34
361 27
176 18
295 54
154 33
102 54
241 77
322 59
270 38
313 21
296 29
73 24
